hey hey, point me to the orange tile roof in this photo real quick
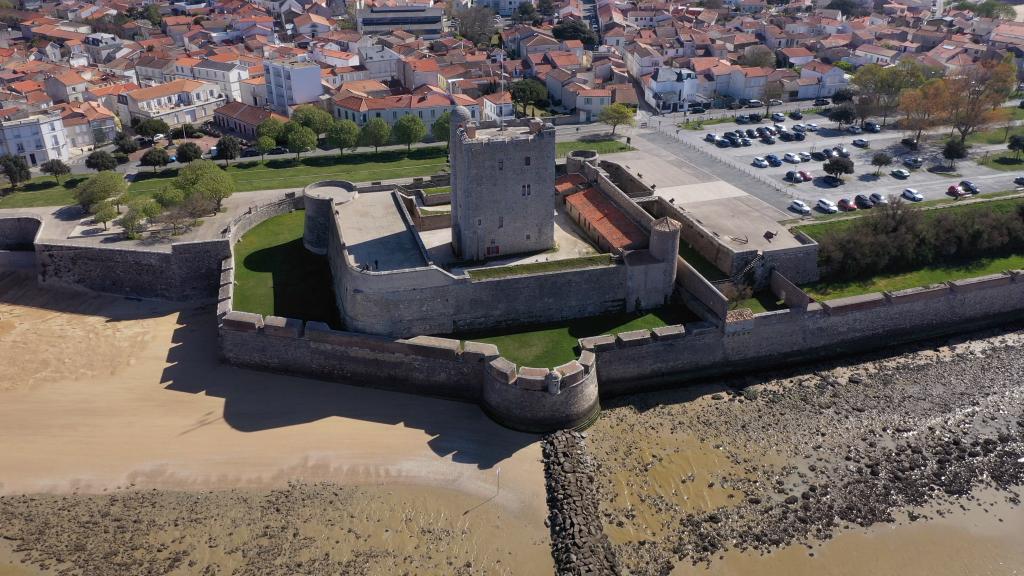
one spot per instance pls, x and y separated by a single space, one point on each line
606 219
159 91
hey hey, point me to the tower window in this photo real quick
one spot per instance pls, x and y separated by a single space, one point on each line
527 189
501 164
527 160
501 221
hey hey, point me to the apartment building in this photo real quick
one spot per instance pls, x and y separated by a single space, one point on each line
292 82
177 102
36 138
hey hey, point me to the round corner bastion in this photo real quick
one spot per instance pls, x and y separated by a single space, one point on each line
576 158
319 200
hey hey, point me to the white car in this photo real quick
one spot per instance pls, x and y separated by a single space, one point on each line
827 206
912 195
804 156
798 128
854 130
900 173
812 127
799 207
760 162
159 137
791 157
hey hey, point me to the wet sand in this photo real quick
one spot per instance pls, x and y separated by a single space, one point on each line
906 464
103 395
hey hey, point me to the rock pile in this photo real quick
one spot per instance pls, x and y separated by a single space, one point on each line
578 541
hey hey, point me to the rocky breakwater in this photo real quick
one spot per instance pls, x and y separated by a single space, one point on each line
578 542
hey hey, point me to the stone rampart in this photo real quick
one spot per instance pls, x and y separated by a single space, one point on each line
257 213
19 232
541 399
699 288
639 362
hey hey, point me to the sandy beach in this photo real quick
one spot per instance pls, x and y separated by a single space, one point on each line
105 395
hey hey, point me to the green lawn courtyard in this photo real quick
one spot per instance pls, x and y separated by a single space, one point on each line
602 146
276 275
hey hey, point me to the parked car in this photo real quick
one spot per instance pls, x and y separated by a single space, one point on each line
829 153
750 133
778 117
787 136
791 157
805 175
793 176
159 137
872 127
831 181
842 151
846 205
912 195
821 102
742 119
745 141
804 156
756 118
755 104
827 206
819 156
900 173
768 139
799 207
1019 180
212 152
854 129
861 143
812 127
796 115
878 198
956 191
775 102
710 137
910 143
863 201
760 162
970 187
913 162
773 160
283 150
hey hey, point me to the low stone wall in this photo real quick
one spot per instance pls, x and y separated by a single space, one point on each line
257 213
578 542
644 360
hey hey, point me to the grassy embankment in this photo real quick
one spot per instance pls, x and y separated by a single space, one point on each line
250 176
933 274
603 146
276 275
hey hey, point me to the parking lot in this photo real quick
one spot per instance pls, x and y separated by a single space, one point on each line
931 180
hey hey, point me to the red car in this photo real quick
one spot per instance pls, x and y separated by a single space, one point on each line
847 205
805 175
956 191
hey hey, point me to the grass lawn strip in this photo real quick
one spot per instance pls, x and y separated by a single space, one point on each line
540 267
606 146
555 344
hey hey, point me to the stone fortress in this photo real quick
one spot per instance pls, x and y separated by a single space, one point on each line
594 240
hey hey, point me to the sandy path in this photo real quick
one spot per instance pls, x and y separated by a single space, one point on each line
101 392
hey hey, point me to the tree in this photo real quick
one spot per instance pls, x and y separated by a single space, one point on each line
55 168
343 134
15 168
842 115
375 133
528 91
615 115
906 74
838 166
99 188
265 144
152 14
155 157
408 130
441 128
880 160
100 161
104 213
188 152
843 95
125 143
476 24
954 150
526 12
924 107
772 91
286 131
313 117
1016 145
229 148
271 128
849 8
135 217
988 9
758 56
151 127
546 7
973 96
572 29
301 140
204 179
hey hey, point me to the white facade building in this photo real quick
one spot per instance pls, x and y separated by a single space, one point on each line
670 89
292 82
38 138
